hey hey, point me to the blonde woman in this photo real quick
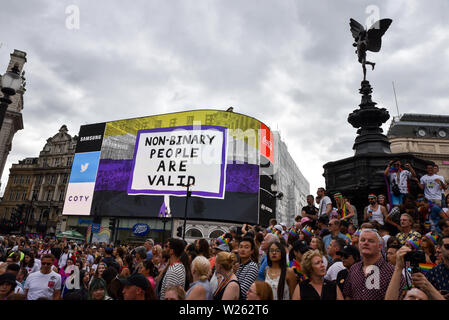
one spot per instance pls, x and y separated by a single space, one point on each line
229 287
315 287
200 288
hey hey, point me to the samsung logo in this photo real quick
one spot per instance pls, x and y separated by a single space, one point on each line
90 138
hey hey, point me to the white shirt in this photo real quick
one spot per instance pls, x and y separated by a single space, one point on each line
333 270
404 175
42 285
323 205
63 260
432 190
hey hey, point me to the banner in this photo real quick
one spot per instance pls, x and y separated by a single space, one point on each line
167 159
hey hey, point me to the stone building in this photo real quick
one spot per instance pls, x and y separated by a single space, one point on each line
40 185
290 181
13 118
423 135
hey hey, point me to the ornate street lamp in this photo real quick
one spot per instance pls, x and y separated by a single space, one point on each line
11 82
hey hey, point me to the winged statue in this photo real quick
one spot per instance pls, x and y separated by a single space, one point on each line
368 40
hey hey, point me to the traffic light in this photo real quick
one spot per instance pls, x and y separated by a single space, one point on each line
111 224
179 231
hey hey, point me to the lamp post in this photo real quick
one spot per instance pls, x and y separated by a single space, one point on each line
188 194
165 217
11 82
276 195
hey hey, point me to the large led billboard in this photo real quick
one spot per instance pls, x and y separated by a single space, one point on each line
137 167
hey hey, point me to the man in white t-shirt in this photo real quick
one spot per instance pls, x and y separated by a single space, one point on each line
325 204
400 177
44 283
432 185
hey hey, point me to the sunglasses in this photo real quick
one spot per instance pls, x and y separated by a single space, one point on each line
46 263
446 246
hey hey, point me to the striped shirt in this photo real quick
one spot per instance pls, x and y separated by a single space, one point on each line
246 275
175 276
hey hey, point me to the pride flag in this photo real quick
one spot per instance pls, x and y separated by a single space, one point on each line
297 269
424 267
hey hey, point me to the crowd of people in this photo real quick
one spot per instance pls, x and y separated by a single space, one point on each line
400 250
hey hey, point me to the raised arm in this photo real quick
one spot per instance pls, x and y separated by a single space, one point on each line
394 287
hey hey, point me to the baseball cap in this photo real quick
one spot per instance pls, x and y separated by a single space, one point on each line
137 280
278 227
350 251
223 247
304 220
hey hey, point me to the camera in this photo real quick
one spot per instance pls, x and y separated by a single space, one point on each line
415 258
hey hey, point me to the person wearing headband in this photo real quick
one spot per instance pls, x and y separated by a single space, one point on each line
374 211
344 209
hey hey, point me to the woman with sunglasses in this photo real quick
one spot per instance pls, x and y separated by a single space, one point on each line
281 279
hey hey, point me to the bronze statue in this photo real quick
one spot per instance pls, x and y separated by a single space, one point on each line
368 39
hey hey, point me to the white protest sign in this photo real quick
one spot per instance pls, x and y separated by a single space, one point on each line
167 159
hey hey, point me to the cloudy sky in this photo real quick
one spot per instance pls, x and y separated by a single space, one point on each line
288 63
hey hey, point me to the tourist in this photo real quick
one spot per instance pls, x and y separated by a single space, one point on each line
248 269
336 265
267 241
7 285
260 290
325 203
350 255
281 279
97 290
344 209
432 185
200 288
298 249
334 228
371 269
176 272
422 290
44 283
137 287
439 275
310 211
315 287
407 230
228 287
399 180
374 211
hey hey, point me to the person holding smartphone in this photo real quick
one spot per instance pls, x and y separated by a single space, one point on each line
421 288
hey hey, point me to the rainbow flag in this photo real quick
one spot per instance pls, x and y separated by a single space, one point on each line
223 240
414 243
424 267
432 237
293 232
297 269
308 231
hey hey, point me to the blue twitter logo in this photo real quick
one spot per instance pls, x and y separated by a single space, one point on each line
85 166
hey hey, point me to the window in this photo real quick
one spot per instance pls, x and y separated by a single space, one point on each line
11 195
24 195
53 179
61 196
35 194
49 195
194 233
69 161
64 178
57 161
17 197
215 234
44 162
15 180
27 179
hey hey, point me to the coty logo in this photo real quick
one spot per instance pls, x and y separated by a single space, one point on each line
84 167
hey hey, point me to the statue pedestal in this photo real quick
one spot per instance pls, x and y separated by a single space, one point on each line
362 174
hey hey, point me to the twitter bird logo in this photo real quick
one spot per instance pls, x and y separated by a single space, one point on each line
84 167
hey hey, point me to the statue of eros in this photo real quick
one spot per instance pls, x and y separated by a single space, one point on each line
368 40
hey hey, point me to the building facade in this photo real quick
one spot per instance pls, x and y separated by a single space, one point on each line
39 185
290 181
425 136
13 117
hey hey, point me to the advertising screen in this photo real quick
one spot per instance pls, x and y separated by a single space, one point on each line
141 167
